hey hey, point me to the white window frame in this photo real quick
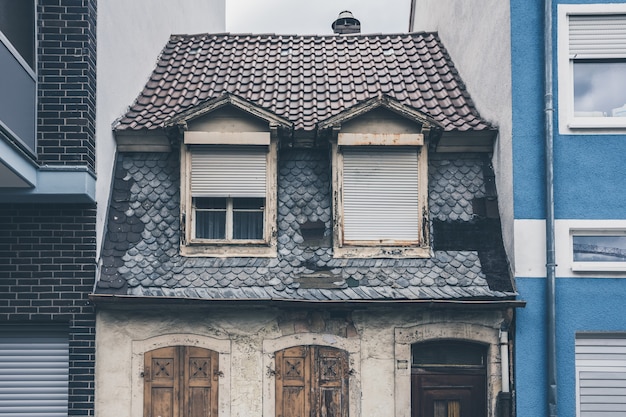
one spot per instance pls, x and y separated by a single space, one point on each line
590 266
381 248
568 123
192 246
591 365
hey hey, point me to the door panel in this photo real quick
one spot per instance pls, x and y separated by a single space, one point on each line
448 395
311 381
161 387
180 381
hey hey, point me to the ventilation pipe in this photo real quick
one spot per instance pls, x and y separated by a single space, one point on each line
550 253
346 23
412 16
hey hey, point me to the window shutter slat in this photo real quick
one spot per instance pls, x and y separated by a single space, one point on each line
601 364
228 172
34 371
380 194
597 36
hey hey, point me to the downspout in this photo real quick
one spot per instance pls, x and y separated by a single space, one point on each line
412 16
550 253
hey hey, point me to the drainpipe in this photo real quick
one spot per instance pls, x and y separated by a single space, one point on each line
550 256
412 16
504 359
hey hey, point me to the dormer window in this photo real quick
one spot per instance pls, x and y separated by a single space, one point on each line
380 205
228 194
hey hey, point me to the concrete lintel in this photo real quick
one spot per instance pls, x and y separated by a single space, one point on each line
63 184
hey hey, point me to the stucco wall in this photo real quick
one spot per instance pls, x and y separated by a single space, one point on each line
246 339
477 36
130 37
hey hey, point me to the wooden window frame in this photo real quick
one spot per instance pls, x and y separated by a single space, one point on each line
382 248
266 247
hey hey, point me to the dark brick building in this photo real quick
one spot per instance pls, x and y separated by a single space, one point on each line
47 206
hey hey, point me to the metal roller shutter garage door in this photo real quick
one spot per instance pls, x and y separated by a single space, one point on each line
34 369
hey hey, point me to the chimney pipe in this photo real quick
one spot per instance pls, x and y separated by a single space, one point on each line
346 23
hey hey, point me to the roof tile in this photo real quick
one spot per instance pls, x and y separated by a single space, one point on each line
304 79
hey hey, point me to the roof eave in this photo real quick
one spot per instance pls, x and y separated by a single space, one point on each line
133 300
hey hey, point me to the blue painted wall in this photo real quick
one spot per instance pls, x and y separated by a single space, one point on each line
527 96
586 167
589 178
583 305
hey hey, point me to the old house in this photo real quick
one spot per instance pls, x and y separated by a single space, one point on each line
303 225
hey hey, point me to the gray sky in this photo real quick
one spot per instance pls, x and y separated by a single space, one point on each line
314 17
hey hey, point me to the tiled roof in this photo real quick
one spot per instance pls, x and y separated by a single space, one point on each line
140 256
304 79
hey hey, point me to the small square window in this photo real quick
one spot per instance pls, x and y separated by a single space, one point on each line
599 250
229 218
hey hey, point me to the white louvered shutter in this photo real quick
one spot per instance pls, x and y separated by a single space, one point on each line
601 371
34 369
597 36
228 171
380 194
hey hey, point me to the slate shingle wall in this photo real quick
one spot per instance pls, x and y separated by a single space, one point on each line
140 253
47 269
66 70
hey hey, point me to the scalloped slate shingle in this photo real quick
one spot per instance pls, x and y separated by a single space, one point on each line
305 79
140 254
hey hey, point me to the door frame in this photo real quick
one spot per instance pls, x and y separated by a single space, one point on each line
483 328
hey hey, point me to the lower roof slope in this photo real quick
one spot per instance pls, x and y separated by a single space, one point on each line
141 257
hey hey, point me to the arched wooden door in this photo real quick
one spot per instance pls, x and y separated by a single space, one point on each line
180 381
312 381
448 379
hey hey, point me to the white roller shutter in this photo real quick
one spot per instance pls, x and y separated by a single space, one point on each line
601 372
34 369
380 194
597 36
228 171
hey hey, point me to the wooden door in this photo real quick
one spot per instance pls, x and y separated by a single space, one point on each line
311 381
180 381
448 395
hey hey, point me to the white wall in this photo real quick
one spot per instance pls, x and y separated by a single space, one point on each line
246 340
477 35
131 34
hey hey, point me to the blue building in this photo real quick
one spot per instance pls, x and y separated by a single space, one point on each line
561 167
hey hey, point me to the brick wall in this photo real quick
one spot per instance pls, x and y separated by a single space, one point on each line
47 269
66 69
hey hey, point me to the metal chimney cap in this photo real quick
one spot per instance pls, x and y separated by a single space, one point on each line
345 14
346 23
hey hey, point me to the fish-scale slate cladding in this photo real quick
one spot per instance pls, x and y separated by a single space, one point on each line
305 79
140 255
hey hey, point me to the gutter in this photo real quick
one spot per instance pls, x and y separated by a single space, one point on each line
550 252
134 300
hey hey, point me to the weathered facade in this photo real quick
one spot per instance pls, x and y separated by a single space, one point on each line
303 224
